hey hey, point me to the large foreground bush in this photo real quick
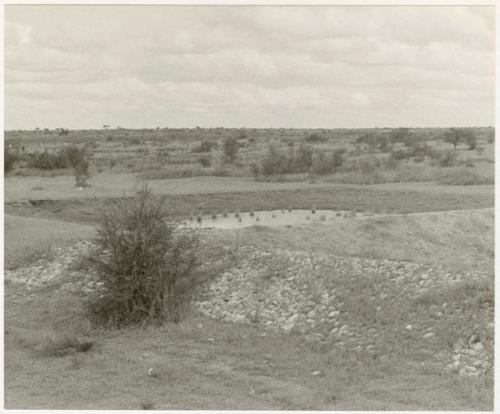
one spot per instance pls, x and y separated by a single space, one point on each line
145 265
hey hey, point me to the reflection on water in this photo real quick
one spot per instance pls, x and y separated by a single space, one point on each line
236 220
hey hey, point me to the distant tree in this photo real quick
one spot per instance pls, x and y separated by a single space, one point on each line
105 126
338 158
456 135
230 149
470 139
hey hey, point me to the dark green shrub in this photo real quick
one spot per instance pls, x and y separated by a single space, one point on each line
230 149
81 173
9 159
47 161
205 146
315 138
301 160
145 265
77 158
448 159
274 162
400 154
328 164
205 161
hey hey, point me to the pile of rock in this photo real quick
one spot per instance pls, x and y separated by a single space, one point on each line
309 294
347 302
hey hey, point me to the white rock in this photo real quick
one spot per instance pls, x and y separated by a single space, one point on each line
312 314
409 327
317 373
290 322
429 335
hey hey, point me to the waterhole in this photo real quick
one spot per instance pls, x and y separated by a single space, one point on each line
268 218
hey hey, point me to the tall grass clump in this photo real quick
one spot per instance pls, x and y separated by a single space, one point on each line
145 266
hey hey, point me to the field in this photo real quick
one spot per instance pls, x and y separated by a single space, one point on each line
389 311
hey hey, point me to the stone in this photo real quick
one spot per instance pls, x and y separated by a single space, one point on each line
153 372
409 327
333 314
429 335
312 314
290 322
317 374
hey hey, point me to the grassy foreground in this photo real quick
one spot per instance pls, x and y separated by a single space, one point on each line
207 364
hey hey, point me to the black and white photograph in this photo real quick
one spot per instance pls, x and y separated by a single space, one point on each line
249 206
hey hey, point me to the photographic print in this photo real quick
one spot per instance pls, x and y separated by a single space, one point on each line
249 207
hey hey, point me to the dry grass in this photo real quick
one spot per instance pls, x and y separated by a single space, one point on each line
457 239
28 239
205 364
410 173
189 196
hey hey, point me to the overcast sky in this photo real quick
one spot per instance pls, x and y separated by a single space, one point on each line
250 66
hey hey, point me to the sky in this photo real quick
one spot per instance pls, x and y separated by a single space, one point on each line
82 67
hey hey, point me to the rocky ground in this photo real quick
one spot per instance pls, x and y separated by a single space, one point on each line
370 306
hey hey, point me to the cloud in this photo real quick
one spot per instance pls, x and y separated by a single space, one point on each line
248 65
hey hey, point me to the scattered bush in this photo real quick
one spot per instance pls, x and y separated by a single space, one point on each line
205 161
400 135
400 154
315 138
328 164
9 159
81 173
205 146
230 149
301 159
448 159
47 161
77 159
374 141
145 265
274 162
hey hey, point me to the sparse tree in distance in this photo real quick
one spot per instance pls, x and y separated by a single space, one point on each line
470 139
453 136
456 135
